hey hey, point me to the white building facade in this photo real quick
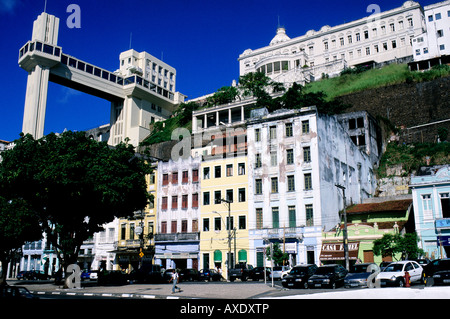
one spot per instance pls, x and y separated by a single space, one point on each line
433 45
295 160
177 240
380 38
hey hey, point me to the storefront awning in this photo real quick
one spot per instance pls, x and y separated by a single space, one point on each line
335 251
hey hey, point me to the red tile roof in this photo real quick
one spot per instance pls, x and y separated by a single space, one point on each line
389 206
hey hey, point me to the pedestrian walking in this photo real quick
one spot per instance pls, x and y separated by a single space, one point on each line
175 278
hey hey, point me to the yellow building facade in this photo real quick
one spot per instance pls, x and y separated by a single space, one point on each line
223 202
129 239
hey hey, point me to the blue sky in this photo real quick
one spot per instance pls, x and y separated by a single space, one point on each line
202 39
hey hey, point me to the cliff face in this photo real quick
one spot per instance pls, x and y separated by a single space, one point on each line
408 105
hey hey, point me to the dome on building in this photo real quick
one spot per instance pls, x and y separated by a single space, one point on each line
280 37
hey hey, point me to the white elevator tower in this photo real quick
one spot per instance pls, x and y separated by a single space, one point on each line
141 91
45 30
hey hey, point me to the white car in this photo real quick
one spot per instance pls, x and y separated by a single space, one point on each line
278 272
394 273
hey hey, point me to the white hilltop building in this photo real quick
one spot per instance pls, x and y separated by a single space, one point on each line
381 38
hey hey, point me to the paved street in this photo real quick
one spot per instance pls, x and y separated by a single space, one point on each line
227 290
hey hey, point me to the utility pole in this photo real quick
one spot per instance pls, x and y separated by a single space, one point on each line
229 236
347 264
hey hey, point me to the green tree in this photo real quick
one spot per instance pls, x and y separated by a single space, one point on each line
392 244
18 225
279 257
257 84
296 98
74 185
224 95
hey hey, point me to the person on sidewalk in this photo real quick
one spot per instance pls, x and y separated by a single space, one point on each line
175 279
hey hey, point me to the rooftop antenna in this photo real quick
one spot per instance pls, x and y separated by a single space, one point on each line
131 37
45 6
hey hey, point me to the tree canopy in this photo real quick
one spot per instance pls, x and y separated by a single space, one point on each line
74 185
393 244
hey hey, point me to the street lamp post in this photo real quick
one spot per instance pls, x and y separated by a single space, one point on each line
347 264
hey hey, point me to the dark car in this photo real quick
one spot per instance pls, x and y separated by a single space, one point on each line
439 270
299 276
359 274
257 273
113 277
328 276
23 275
167 275
209 275
86 274
15 292
432 267
188 274
422 261
146 274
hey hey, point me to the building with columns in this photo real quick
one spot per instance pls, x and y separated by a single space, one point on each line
382 37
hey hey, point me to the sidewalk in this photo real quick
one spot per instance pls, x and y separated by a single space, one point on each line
209 290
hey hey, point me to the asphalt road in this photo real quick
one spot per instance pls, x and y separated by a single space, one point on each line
191 290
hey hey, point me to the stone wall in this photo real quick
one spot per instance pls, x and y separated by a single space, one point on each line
408 105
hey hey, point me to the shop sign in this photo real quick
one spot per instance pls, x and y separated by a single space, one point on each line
443 223
335 251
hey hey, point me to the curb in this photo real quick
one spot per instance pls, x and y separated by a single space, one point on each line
112 295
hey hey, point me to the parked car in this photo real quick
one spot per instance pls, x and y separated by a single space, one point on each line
299 276
432 267
112 277
23 275
93 275
439 270
384 264
394 273
146 274
209 275
15 292
328 276
422 261
188 274
359 273
85 274
257 273
167 275
32 275
241 271
277 272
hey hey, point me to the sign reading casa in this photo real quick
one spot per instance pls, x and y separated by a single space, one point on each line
335 251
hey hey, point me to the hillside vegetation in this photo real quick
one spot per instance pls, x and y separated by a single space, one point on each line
359 80
321 93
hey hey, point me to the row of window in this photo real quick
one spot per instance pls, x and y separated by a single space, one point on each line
427 205
132 230
228 224
290 182
184 201
437 16
290 159
425 50
288 131
229 196
366 34
217 171
184 177
291 215
174 226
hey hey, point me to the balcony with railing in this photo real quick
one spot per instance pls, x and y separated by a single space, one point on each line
177 237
